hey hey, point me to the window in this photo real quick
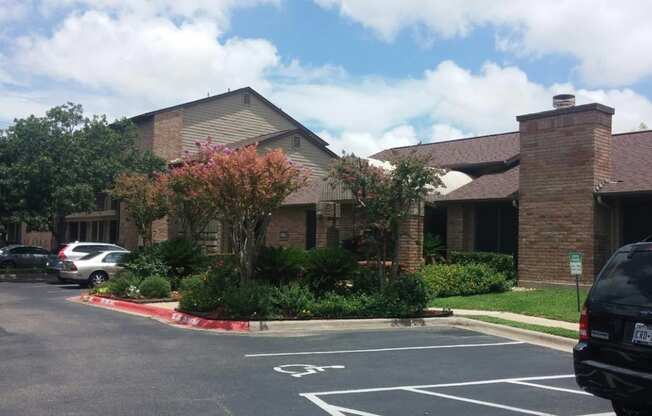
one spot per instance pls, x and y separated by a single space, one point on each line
114 257
626 280
246 99
296 141
113 232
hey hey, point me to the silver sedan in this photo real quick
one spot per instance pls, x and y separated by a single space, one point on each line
93 268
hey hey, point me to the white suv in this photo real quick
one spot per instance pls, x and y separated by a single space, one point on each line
77 250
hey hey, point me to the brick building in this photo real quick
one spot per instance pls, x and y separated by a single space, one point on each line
562 183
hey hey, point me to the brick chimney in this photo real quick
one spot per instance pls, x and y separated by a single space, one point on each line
565 155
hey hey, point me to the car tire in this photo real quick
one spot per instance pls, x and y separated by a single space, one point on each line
97 278
624 409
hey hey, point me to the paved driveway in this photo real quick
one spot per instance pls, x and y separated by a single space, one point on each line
62 358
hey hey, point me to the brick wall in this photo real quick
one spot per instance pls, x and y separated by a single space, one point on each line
287 228
166 139
565 153
460 223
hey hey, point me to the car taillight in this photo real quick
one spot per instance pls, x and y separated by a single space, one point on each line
584 324
61 255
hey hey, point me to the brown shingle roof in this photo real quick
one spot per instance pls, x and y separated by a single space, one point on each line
463 152
631 163
492 186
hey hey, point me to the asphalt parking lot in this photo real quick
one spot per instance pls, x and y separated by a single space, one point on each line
63 358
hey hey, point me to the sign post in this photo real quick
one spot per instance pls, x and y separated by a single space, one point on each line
575 260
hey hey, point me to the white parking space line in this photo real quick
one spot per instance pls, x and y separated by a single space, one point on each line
333 410
432 386
427 347
543 386
480 402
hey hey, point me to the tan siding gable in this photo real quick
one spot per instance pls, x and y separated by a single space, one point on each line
307 154
229 119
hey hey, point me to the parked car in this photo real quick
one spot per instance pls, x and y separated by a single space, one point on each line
77 250
20 256
613 359
93 268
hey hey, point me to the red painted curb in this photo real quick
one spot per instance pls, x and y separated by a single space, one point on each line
178 318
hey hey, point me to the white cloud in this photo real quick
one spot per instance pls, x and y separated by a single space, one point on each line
13 10
365 144
151 60
609 39
363 115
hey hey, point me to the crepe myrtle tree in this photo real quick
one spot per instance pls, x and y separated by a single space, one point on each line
187 196
386 196
145 200
246 187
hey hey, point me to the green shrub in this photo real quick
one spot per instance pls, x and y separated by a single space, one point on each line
145 261
293 300
155 287
365 280
250 300
195 297
205 292
433 247
503 263
182 257
125 284
405 296
279 265
328 269
173 259
333 305
444 280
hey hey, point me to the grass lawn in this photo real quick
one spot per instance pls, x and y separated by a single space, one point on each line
553 303
561 332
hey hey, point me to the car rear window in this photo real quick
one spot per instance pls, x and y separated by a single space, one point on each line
90 256
626 280
90 248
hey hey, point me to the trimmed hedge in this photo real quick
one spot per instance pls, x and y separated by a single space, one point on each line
503 263
445 280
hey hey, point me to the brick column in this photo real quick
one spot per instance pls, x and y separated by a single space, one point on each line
565 154
411 240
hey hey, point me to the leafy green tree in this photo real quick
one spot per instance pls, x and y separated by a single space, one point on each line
55 165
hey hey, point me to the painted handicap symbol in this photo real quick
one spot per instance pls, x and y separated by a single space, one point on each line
300 370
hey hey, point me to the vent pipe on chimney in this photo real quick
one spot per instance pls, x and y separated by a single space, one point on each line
563 100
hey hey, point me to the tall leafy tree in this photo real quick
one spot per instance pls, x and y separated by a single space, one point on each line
55 165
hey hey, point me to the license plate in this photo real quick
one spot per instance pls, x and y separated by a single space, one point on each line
642 334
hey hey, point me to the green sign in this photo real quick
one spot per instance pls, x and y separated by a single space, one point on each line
575 259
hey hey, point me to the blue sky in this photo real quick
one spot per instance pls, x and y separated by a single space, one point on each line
364 74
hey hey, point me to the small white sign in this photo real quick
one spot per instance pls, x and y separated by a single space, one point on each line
575 260
300 370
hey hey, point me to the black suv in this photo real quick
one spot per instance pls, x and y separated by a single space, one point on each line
613 359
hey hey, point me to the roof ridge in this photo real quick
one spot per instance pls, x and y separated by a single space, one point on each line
631 132
453 140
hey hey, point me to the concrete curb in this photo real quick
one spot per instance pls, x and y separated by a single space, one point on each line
164 315
531 337
181 319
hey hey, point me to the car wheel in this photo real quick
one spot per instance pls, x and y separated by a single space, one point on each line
97 278
624 409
